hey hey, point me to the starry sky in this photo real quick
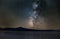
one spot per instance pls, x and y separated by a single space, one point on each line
22 9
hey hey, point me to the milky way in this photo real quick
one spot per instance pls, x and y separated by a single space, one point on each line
23 13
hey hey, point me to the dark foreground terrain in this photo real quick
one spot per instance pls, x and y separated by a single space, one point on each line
29 35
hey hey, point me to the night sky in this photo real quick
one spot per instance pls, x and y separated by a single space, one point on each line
19 13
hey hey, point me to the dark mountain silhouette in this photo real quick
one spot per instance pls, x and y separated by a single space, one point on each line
18 29
23 29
